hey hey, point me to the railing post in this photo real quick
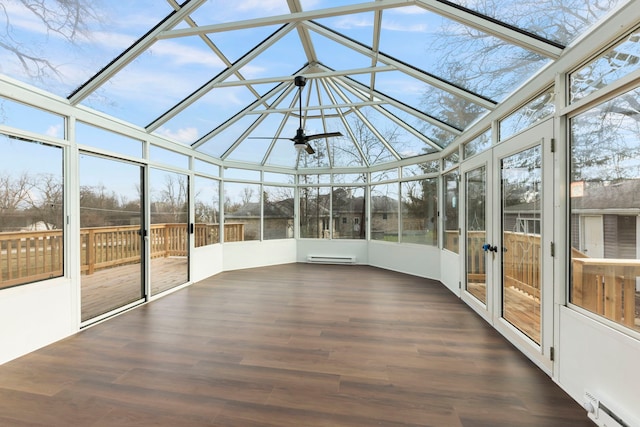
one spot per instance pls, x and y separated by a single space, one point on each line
91 252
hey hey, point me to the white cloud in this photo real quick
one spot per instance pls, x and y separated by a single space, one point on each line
348 22
55 131
403 27
184 135
182 55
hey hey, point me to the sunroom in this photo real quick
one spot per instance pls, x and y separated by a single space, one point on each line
492 146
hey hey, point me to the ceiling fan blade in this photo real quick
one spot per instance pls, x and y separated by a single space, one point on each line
267 137
309 149
323 135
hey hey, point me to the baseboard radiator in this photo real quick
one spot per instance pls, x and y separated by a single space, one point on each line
331 259
602 415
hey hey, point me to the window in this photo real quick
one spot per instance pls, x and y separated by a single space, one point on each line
241 212
605 182
451 226
32 119
617 62
533 112
207 211
277 212
478 144
31 214
420 211
314 212
384 212
348 202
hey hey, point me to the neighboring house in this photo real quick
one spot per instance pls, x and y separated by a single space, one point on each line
604 220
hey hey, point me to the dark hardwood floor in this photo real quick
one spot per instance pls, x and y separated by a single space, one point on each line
290 345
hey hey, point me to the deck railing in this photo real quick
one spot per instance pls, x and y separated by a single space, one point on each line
604 286
36 255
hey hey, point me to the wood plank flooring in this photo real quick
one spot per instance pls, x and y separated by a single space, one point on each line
289 345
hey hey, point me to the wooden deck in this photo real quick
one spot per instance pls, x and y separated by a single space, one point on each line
288 345
111 288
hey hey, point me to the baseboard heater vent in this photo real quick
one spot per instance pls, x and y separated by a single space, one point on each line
601 414
331 259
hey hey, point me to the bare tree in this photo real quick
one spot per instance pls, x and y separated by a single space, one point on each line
69 19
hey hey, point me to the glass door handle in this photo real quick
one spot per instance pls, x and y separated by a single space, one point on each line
487 247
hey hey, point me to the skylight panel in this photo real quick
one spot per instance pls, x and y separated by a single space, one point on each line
207 113
560 22
223 140
357 26
336 55
476 61
64 52
157 80
283 58
444 106
234 44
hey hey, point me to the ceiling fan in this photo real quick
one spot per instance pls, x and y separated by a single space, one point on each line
301 140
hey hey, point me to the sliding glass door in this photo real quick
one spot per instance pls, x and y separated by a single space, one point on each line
169 233
111 235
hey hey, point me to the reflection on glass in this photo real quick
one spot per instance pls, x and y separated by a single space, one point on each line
605 183
521 176
111 241
241 212
207 211
617 62
384 212
478 144
315 219
451 195
278 212
420 211
31 213
475 228
384 175
450 160
529 114
348 211
169 234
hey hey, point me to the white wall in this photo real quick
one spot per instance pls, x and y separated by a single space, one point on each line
240 255
35 315
596 358
206 261
322 247
450 271
418 260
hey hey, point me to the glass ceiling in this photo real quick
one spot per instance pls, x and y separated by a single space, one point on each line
395 79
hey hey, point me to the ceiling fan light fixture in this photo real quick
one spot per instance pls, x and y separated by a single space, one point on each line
299 146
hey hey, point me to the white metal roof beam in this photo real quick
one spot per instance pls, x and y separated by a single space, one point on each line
308 75
214 48
401 66
139 47
345 123
287 18
318 107
494 27
242 113
377 27
278 133
204 89
367 123
359 87
399 121
303 33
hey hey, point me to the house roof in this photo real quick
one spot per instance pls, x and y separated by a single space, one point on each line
397 78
